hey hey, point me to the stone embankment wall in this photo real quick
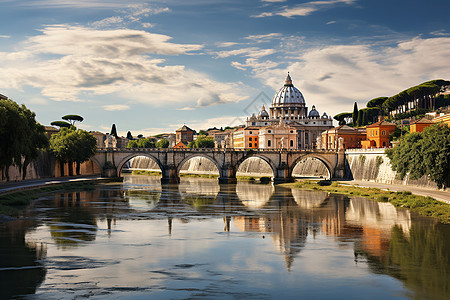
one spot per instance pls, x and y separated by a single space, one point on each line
45 166
373 165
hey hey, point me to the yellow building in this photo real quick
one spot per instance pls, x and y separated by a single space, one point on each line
444 118
246 138
419 125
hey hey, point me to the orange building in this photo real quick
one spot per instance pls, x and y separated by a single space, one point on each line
444 118
185 135
420 125
352 137
246 137
180 145
378 134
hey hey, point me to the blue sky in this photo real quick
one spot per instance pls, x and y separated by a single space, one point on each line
152 66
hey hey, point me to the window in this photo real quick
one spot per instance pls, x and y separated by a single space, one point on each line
250 132
256 139
292 131
250 145
269 131
249 139
269 143
324 122
383 133
292 143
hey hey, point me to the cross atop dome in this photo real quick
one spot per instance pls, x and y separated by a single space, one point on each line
288 81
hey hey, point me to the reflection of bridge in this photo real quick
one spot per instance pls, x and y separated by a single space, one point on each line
282 162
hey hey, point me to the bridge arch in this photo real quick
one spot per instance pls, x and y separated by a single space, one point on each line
328 165
188 157
260 156
133 155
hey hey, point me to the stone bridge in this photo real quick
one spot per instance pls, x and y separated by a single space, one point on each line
282 162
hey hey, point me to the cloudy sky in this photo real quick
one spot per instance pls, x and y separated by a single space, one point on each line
152 66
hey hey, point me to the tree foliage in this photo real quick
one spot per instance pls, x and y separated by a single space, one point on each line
343 118
377 102
113 130
73 118
61 124
202 142
162 143
73 145
141 143
21 136
425 153
355 114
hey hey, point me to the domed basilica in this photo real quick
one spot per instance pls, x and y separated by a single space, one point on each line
288 124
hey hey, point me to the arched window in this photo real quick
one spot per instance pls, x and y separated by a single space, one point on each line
269 143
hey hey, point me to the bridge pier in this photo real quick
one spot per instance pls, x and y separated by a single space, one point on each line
170 175
282 174
227 175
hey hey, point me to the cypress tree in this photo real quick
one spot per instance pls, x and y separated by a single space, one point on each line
360 118
113 130
355 114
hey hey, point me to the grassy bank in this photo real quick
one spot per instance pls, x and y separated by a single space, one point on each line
12 203
425 206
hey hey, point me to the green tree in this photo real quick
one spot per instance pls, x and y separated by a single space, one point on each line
20 136
426 153
113 130
376 102
72 145
141 143
61 124
355 114
162 143
129 135
202 142
343 117
360 121
73 118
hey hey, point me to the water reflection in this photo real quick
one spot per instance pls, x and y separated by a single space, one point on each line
21 270
217 231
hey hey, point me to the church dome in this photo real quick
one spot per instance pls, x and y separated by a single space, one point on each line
288 94
313 113
263 113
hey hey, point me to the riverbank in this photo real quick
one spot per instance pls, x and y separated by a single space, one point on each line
14 196
424 205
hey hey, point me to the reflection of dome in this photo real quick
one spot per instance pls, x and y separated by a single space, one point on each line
313 113
288 94
263 113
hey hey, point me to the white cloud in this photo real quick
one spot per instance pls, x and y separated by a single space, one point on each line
248 52
331 22
74 4
147 25
108 22
5 36
226 44
304 9
333 77
263 37
72 63
116 107
186 108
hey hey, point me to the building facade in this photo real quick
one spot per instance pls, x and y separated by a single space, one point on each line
184 135
247 137
289 108
378 134
351 138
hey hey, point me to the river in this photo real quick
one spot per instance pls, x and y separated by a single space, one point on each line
137 240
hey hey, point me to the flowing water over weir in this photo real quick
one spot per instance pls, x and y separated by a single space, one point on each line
140 239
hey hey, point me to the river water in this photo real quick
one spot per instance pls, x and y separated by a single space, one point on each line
138 240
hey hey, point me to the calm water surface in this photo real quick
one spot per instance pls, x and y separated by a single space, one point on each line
137 240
